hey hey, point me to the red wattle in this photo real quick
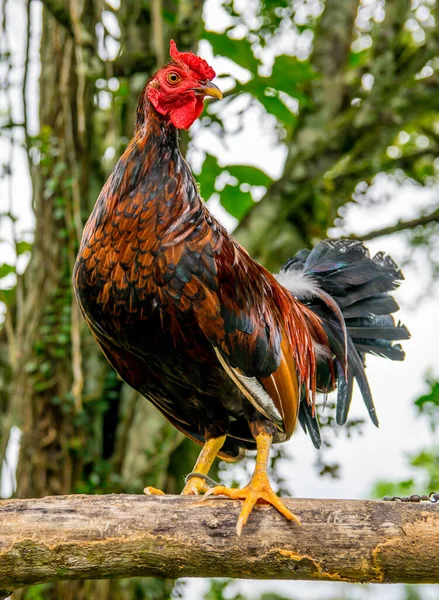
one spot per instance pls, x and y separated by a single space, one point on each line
184 116
181 116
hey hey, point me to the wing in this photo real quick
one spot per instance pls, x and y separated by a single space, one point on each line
259 332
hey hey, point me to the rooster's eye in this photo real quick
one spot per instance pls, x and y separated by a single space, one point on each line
173 78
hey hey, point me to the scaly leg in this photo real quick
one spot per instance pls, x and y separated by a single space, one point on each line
259 487
197 485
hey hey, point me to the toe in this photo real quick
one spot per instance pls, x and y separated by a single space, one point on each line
247 508
251 494
152 491
195 487
222 490
277 503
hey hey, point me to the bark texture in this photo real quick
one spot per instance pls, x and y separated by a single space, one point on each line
86 537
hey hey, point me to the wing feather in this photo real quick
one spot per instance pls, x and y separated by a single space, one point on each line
259 332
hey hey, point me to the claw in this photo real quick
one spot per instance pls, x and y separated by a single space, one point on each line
152 491
210 492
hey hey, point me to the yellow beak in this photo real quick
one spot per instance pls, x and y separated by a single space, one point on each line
210 89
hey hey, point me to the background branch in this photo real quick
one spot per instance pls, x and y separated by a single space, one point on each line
432 217
64 18
157 27
268 226
84 537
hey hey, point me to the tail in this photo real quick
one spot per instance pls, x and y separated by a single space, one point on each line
360 320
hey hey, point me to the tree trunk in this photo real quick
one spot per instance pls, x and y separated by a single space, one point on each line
82 428
46 391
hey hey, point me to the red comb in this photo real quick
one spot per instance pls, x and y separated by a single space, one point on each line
197 64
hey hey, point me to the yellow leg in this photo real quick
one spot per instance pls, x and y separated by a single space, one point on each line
197 485
259 487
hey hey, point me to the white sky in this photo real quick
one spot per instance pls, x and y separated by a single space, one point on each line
378 453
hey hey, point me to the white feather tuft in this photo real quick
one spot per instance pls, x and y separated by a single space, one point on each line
300 285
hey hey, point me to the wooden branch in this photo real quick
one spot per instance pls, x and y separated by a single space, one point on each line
432 217
332 46
88 537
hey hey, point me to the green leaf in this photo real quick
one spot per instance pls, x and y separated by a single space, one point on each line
122 91
288 72
359 59
6 269
393 488
8 296
248 174
237 50
269 98
275 106
209 173
432 396
235 202
23 247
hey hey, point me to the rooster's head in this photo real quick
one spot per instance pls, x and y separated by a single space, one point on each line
178 89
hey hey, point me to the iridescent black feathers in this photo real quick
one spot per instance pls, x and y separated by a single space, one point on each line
361 287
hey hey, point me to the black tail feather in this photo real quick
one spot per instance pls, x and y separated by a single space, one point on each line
309 423
361 287
345 388
360 376
381 304
379 348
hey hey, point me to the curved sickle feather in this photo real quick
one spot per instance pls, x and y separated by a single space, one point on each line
283 387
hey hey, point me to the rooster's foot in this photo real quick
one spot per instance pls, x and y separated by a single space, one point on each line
258 490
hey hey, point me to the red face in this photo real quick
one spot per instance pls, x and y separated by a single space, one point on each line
178 89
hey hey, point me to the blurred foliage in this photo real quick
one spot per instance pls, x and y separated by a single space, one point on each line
428 404
220 590
225 589
343 106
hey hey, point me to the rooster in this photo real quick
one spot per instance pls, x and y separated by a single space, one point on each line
230 354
